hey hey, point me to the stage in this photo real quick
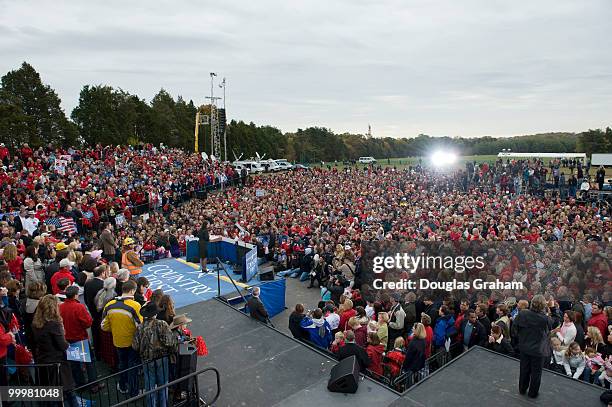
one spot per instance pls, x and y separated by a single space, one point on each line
482 377
261 367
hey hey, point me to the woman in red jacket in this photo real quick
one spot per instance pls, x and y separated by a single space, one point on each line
14 261
396 358
76 321
375 353
426 321
346 313
6 339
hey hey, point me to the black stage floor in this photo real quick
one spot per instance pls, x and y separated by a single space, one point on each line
260 366
481 377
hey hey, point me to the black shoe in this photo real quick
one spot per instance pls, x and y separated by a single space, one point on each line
522 392
532 396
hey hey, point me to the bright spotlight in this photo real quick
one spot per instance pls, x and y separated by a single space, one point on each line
443 158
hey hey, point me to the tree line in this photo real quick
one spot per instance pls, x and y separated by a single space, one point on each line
30 112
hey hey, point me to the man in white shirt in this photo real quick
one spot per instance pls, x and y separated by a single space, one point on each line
584 188
30 222
332 317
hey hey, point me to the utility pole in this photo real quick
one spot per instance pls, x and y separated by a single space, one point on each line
213 122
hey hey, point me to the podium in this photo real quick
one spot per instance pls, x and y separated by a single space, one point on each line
237 252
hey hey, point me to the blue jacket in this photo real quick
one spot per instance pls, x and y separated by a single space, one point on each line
445 328
319 331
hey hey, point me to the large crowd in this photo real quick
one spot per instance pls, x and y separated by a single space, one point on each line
77 226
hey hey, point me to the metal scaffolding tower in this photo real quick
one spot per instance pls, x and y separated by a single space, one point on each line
215 136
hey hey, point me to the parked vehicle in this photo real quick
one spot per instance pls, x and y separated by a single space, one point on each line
284 164
239 167
270 165
252 166
301 167
367 160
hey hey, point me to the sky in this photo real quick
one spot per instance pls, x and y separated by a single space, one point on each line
464 68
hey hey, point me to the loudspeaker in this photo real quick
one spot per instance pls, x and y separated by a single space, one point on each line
186 363
222 121
344 376
266 274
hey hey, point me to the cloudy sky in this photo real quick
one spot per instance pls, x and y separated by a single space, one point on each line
444 67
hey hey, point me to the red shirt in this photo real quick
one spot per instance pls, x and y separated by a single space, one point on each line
26 152
455 236
16 268
396 360
5 341
61 273
428 341
76 320
4 153
375 353
600 321
346 315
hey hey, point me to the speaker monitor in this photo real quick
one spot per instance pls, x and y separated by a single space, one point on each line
222 121
266 275
344 376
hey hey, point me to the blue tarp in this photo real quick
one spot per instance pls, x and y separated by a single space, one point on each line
273 296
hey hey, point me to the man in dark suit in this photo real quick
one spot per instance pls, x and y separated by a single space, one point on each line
533 327
472 331
108 243
352 349
92 286
256 307
204 238
481 314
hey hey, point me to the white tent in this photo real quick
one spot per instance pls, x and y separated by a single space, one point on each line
601 159
542 155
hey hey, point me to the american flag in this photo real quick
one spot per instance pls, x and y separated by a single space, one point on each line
63 224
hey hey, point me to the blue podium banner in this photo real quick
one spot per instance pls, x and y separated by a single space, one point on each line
79 352
228 250
249 266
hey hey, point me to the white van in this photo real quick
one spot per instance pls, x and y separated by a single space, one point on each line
270 165
253 166
284 164
239 167
367 160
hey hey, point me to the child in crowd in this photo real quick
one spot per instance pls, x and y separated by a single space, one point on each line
361 331
114 269
338 342
143 292
574 361
594 363
605 378
395 358
372 327
558 356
